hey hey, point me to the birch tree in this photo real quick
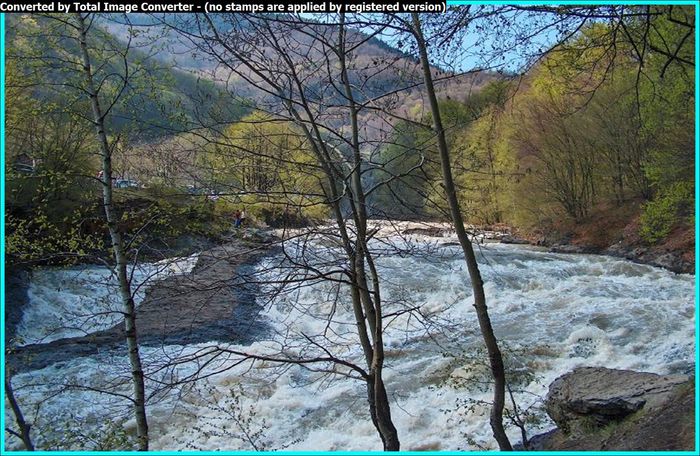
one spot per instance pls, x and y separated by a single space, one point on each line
89 73
92 91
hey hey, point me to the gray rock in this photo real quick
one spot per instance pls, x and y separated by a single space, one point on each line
595 396
449 244
258 235
16 298
571 248
430 232
673 261
215 302
510 239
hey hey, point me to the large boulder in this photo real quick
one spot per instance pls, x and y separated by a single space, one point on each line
593 397
673 260
600 409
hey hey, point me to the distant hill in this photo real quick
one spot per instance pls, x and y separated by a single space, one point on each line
186 90
162 101
375 68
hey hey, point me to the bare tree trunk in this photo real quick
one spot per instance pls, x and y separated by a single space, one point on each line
129 308
380 412
364 280
495 358
380 409
23 426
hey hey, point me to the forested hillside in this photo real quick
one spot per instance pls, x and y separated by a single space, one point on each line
589 144
587 134
52 198
180 121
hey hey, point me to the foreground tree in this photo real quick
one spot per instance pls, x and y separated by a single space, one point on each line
304 71
92 91
494 353
24 428
78 74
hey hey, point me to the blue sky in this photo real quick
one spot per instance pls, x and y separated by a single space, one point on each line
508 46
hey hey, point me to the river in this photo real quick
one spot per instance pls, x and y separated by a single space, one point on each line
551 312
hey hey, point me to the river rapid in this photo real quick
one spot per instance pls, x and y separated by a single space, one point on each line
551 313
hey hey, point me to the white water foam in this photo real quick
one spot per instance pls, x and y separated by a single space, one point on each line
73 302
552 313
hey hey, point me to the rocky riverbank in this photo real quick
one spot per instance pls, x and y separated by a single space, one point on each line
674 259
599 409
16 286
675 254
616 232
215 302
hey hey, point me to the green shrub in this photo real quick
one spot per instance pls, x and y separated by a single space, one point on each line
666 210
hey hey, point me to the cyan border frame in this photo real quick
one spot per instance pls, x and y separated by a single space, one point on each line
339 453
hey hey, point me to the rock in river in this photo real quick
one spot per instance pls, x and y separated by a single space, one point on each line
597 408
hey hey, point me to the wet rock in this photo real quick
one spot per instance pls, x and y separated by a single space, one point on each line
215 302
593 397
16 286
258 235
673 261
667 261
510 239
571 248
432 231
449 244
651 412
617 250
182 245
538 442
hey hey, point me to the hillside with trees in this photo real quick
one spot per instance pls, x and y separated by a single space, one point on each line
590 146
